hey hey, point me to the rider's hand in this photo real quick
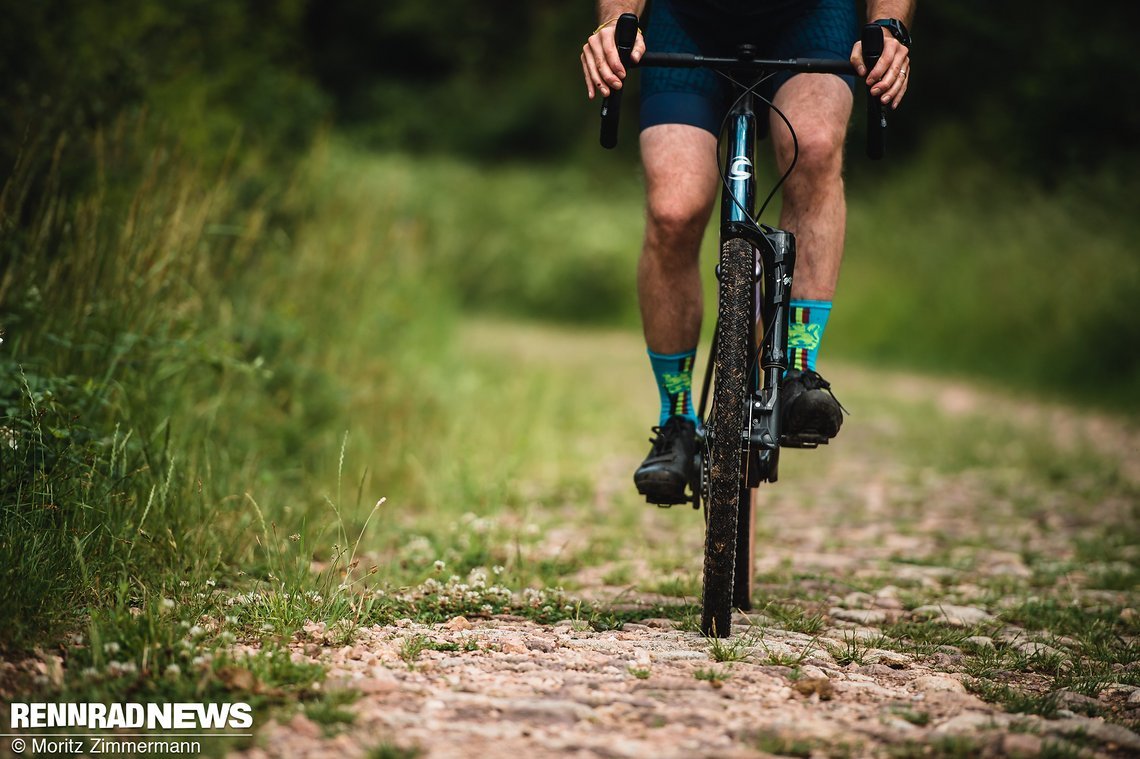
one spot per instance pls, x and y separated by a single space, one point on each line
889 79
601 65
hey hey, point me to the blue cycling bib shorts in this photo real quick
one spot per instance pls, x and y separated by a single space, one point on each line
787 29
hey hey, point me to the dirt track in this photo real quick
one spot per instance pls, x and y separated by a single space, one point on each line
893 594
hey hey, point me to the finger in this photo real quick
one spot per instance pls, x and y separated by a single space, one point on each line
857 59
888 85
606 76
588 77
888 65
592 73
613 58
884 85
638 47
894 96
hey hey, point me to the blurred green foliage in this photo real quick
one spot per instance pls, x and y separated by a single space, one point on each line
489 79
1037 89
207 72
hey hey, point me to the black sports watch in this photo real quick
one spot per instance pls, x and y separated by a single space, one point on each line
895 27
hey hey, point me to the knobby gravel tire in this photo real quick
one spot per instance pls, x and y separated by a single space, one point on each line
724 449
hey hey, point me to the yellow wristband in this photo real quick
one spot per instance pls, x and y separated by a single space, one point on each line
603 25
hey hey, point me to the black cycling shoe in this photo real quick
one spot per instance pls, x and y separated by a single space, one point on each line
810 414
671 463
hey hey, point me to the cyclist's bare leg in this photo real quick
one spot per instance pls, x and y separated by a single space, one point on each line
681 180
814 208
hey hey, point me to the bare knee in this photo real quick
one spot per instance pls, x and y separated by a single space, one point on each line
675 225
820 151
681 179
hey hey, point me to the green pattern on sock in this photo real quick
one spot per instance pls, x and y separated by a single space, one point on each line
806 323
674 375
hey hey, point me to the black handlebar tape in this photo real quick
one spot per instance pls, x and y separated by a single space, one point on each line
625 35
876 115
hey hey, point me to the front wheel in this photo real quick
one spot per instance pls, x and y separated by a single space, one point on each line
725 429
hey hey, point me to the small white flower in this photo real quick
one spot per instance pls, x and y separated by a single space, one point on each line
439 565
183 584
211 583
497 570
173 670
121 668
111 648
196 630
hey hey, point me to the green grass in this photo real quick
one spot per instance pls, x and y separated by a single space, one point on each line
779 744
712 675
791 616
394 751
730 650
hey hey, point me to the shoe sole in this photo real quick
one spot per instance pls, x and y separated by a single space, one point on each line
662 491
805 439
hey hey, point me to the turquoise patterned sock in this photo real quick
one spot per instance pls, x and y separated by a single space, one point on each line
674 374
806 323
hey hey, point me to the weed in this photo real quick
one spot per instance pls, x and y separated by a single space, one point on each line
948 747
920 719
1059 749
713 676
852 651
330 710
412 647
793 617
619 575
681 586
394 751
641 673
926 637
729 650
1014 700
780 744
